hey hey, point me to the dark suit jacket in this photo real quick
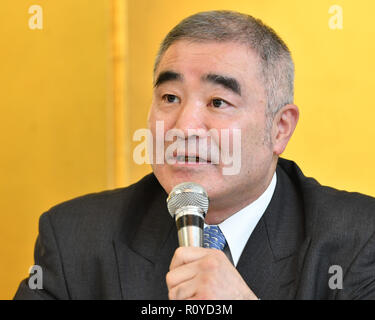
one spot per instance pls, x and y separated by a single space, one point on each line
118 244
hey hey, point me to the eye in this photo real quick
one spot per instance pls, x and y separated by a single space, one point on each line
219 103
170 98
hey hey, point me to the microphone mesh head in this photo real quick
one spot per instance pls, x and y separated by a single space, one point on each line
187 194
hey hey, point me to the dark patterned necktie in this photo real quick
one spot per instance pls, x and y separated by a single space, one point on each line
213 238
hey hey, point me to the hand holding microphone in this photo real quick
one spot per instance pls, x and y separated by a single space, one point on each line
196 272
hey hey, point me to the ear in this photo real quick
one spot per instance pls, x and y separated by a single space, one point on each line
284 123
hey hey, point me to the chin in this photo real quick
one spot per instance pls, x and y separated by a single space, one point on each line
169 178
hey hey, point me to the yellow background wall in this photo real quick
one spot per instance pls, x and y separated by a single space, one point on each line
73 93
54 139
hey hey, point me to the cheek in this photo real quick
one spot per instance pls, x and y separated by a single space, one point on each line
154 113
160 118
156 124
151 118
254 140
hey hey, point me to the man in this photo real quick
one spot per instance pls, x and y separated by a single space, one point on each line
282 233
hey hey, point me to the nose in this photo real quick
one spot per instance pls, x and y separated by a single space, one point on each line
191 117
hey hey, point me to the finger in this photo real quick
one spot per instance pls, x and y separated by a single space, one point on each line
181 274
184 290
184 255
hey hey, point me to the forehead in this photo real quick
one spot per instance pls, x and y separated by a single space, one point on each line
197 58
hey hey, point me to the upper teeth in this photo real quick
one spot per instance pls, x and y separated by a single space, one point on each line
182 158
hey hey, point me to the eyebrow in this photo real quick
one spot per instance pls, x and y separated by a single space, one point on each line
227 82
166 76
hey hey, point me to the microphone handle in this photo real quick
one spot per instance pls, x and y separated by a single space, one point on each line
190 224
190 236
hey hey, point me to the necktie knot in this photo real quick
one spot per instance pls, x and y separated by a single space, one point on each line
213 238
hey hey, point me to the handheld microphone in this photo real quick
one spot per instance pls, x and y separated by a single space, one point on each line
188 204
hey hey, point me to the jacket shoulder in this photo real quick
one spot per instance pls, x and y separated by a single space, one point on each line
99 212
333 210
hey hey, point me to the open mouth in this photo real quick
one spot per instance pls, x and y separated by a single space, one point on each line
190 159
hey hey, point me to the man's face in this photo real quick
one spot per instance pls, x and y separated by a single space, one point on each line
213 86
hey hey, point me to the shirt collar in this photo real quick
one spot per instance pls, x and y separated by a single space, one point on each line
239 226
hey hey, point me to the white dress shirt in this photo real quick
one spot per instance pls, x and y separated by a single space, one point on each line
238 228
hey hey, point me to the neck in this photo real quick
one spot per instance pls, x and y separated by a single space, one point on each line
221 210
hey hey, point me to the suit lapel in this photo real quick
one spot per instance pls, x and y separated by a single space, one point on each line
255 264
144 252
269 262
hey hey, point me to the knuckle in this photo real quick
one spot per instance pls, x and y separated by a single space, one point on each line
175 293
218 254
179 251
169 279
210 263
221 254
178 294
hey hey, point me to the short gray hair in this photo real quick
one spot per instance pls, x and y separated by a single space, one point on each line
276 64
